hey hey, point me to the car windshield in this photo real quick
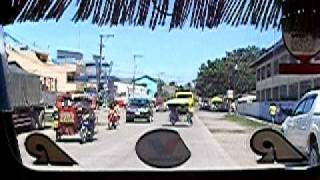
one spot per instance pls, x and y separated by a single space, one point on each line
184 96
138 102
170 84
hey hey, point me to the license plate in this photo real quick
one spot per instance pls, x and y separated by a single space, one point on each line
138 113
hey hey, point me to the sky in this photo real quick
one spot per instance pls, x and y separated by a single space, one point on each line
177 54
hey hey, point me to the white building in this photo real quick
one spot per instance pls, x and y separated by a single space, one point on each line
271 86
125 90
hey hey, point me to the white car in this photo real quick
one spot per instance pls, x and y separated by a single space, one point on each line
302 126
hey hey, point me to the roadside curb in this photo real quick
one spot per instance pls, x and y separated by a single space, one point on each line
259 121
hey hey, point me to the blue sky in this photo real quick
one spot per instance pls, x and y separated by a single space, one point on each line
178 53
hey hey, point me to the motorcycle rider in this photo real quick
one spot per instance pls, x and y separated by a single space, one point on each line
111 115
117 110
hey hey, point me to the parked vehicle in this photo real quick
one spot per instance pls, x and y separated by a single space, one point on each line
139 108
205 105
302 126
27 99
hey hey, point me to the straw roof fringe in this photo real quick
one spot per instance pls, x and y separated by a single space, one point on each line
198 13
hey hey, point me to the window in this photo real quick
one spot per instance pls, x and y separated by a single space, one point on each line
283 92
276 67
300 108
70 77
305 86
275 93
293 92
263 73
258 93
317 83
309 103
268 70
268 95
258 75
263 95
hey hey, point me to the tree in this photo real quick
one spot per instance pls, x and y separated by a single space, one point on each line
172 83
230 72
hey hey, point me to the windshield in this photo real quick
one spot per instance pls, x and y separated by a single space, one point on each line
184 96
138 102
185 85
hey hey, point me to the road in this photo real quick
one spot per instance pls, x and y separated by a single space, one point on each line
115 149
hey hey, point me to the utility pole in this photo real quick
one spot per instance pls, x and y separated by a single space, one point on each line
159 82
98 71
134 71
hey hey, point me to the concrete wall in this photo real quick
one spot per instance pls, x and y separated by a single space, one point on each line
260 110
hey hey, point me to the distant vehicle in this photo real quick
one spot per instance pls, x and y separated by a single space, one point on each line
302 125
205 105
121 102
51 113
161 106
188 96
75 116
139 108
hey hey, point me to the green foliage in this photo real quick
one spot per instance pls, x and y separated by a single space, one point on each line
218 75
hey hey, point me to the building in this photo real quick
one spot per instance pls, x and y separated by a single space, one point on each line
60 78
150 83
272 86
70 57
283 89
124 89
91 72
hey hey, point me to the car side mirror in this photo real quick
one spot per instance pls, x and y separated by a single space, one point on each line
289 112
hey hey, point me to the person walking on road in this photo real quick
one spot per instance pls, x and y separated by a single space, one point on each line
190 115
273 112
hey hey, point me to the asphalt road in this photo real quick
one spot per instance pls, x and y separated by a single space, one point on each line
115 149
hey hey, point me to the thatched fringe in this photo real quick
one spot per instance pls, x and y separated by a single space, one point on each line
199 13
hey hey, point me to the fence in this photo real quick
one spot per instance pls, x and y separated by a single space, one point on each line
260 110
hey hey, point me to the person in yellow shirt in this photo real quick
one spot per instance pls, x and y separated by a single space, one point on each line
273 111
190 114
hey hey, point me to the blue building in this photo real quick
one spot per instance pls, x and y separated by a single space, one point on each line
150 84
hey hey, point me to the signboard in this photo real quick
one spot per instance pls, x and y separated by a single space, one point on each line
301 35
230 94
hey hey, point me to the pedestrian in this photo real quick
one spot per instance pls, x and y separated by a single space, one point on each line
273 112
190 115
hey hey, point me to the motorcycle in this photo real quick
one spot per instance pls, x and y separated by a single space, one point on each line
87 126
113 120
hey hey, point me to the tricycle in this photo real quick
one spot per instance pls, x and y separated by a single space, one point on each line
75 117
179 113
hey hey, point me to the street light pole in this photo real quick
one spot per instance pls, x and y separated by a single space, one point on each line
101 45
134 71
